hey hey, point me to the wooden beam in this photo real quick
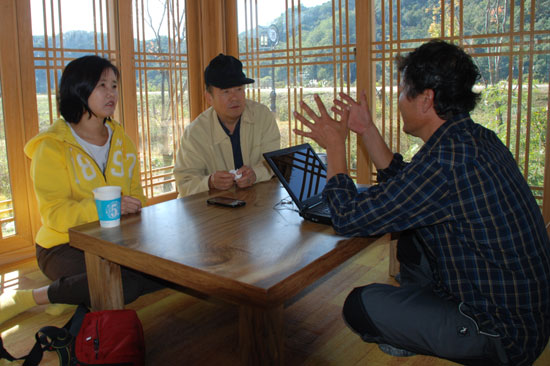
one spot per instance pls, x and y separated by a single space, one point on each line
195 60
365 77
124 31
213 29
231 28
209 33
17 117
546 190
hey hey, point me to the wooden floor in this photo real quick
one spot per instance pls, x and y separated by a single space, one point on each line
184 330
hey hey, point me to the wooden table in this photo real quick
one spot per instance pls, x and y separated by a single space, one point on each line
256 256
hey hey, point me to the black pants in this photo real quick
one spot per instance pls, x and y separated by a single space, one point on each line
65 266
414 318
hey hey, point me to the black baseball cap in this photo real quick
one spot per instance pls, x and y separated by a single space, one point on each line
224 72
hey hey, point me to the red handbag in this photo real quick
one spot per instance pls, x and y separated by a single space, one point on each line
109 337
113 337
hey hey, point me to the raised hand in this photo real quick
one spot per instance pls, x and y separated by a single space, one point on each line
325 130
359 118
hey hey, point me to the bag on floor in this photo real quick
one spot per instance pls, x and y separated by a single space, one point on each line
109 337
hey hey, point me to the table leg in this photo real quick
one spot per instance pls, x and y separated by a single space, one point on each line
394 262
261 338
104 282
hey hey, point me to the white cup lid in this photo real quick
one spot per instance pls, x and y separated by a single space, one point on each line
107 192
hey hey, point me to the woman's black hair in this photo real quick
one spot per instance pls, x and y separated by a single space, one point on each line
447 70
79 79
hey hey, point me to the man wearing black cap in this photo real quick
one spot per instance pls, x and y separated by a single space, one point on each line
223 146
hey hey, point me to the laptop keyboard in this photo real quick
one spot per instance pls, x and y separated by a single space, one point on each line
320 209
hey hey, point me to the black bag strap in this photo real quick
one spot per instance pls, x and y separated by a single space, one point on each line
5 354
74 324
52 338
33 358
58 340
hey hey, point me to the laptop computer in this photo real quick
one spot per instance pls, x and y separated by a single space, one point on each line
303 175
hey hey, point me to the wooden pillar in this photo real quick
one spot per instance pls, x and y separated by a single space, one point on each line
196 77
30 109
122 29
231 28
212 29
17 70
546 188
365 77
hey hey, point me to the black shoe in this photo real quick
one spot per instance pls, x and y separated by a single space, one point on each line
393 351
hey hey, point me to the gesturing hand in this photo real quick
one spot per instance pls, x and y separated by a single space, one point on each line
359 118
325 130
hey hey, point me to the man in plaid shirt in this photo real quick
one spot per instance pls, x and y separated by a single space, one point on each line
474 252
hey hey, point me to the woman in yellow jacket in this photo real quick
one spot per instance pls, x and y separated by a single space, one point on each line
78 153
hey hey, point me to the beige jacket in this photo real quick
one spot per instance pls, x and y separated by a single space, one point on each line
205 147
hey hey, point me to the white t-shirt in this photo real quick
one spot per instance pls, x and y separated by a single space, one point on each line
100 154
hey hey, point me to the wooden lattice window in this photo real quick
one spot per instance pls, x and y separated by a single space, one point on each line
154 102
509 41
295 49
160 57
59 36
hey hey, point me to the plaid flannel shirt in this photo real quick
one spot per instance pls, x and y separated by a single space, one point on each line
478 222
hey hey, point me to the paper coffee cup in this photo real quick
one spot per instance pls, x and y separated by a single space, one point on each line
107 201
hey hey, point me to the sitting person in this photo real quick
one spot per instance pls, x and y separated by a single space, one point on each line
78 153
224 145
474 252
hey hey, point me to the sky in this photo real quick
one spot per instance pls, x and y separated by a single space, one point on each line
76 14
72 14
270 9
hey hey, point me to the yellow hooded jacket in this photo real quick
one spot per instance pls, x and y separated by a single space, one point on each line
64 175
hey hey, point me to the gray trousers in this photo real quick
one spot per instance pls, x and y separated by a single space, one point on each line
65 266
414 318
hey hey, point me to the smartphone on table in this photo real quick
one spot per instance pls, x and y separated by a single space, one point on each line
225 201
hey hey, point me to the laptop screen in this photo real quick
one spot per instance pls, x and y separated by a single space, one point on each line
302 170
